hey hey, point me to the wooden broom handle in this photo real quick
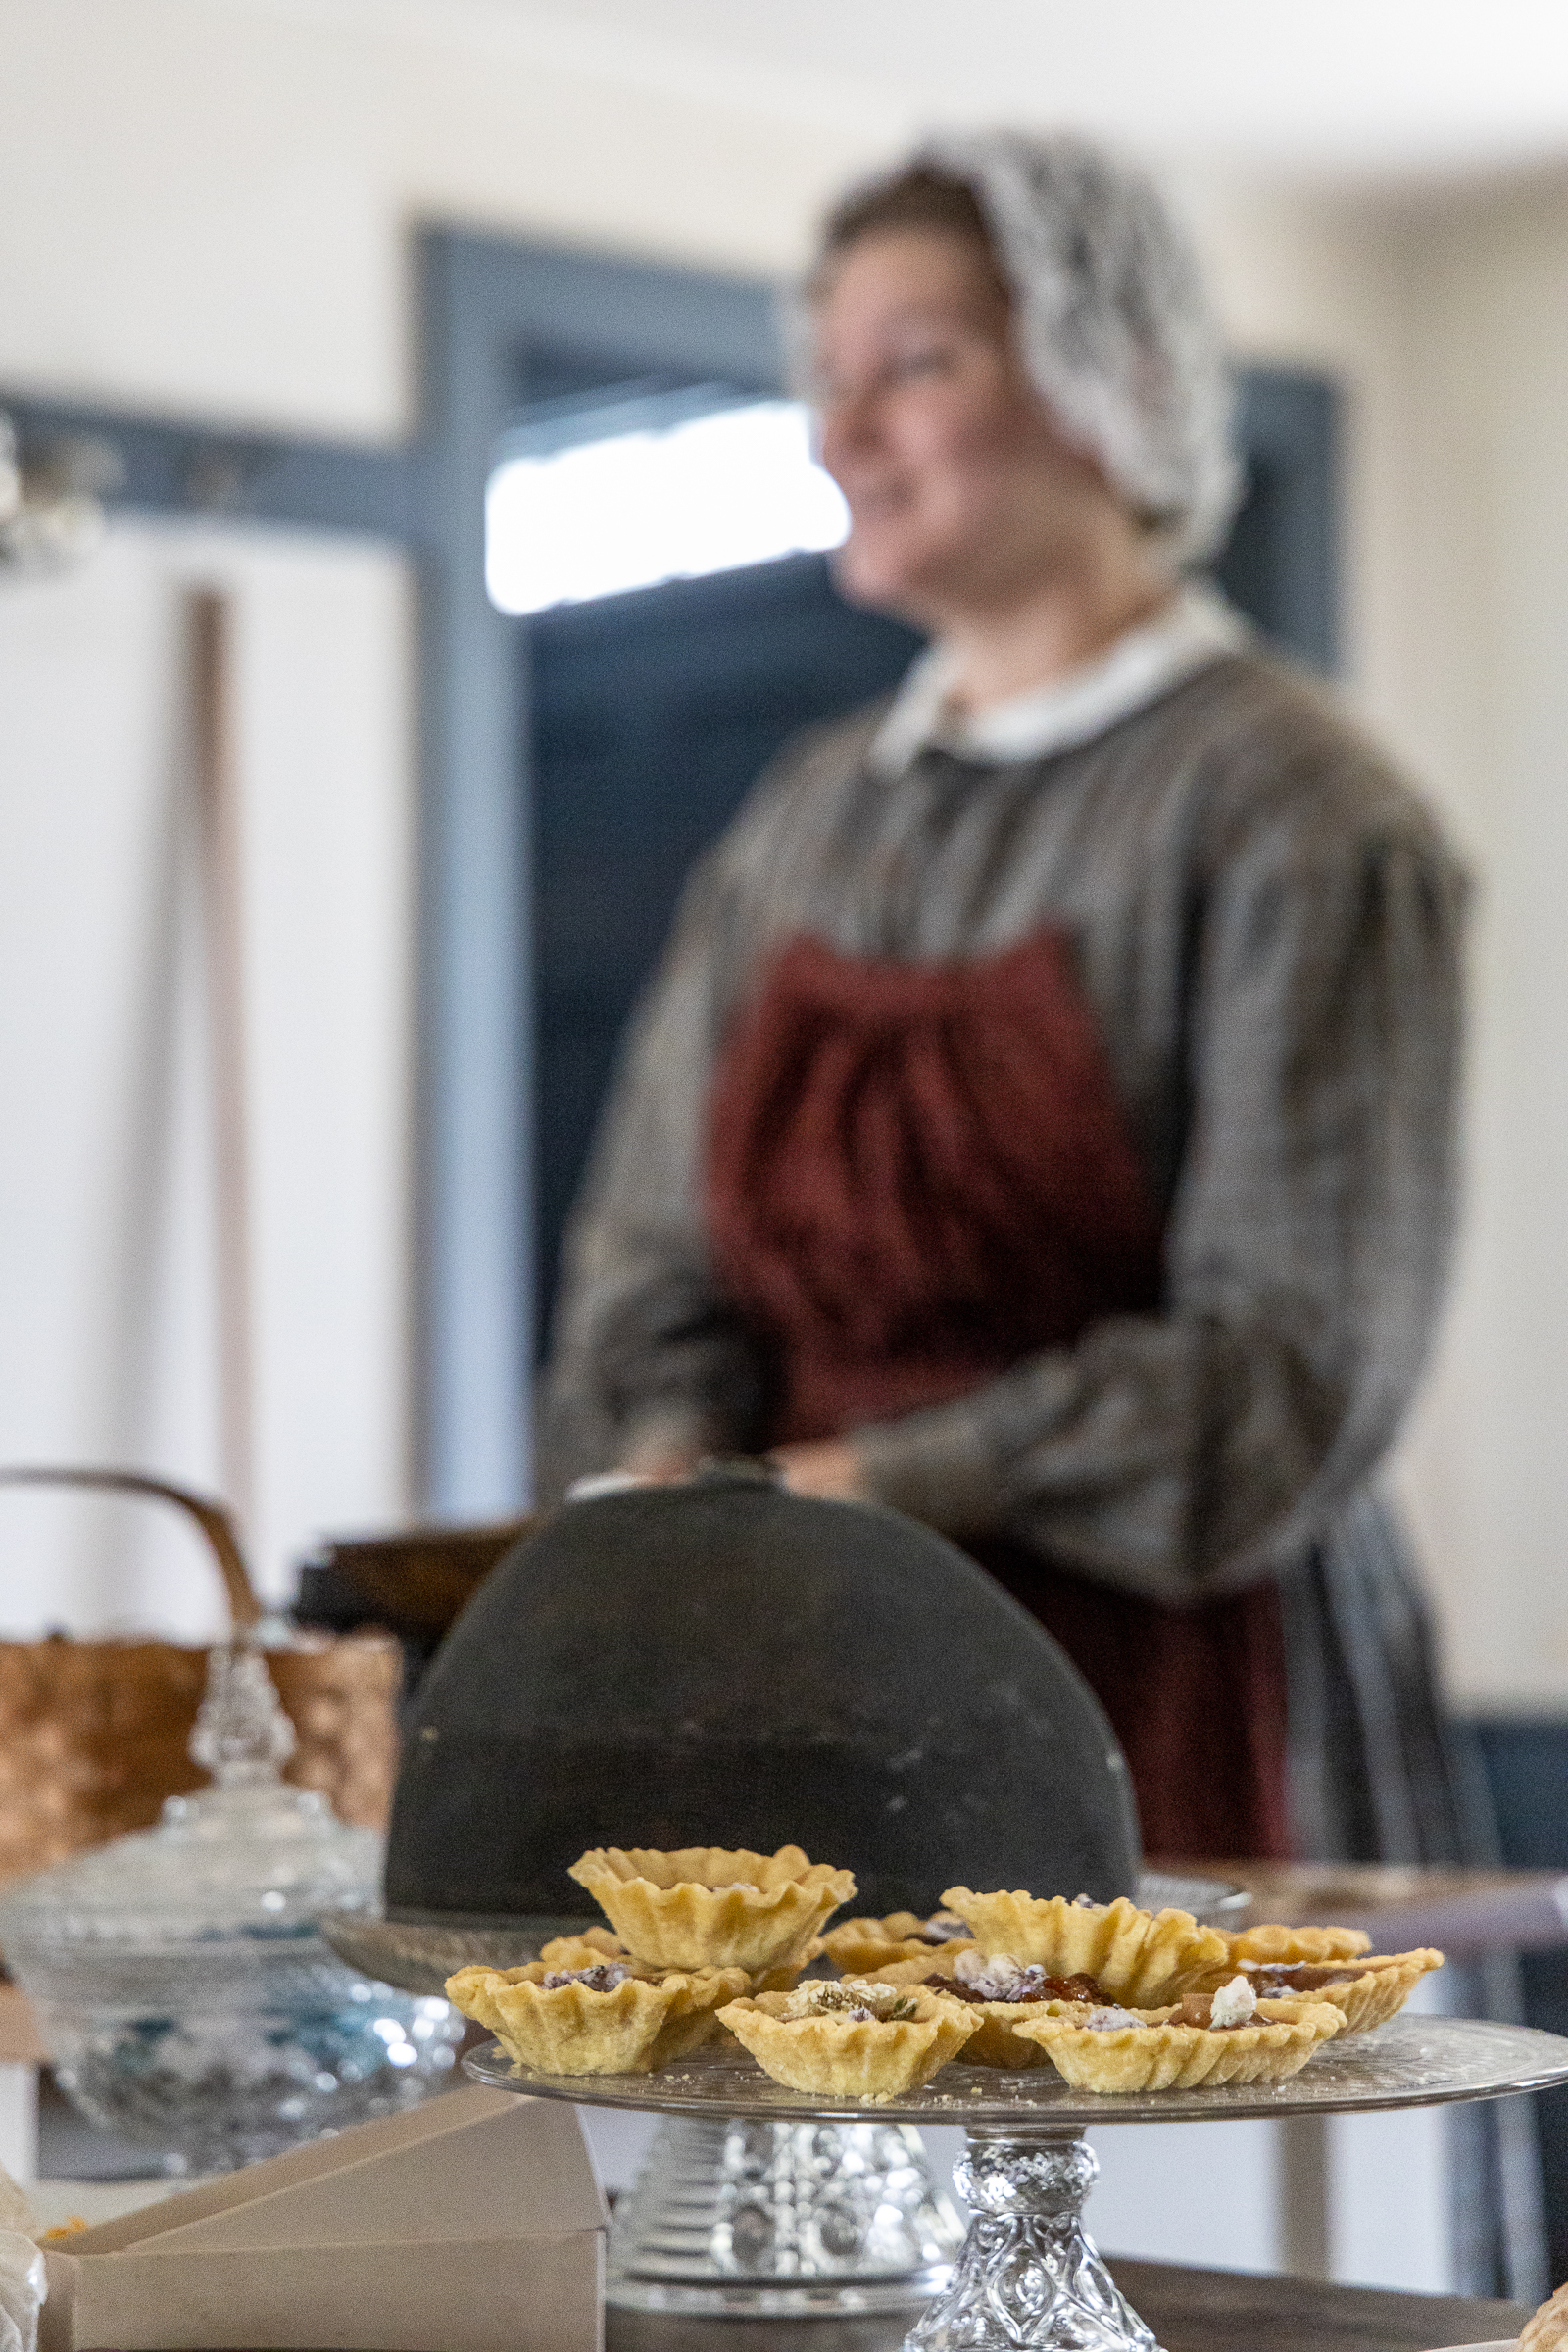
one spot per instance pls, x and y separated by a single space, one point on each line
213 1520
220 868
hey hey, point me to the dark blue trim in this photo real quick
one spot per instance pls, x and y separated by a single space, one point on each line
502 322
1282 564
476 1044
176 466
1526 1762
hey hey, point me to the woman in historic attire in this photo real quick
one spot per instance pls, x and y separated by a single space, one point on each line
1043 1121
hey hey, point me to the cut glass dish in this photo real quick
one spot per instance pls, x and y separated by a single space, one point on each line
188 1997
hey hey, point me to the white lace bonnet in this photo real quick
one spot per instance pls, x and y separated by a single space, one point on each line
1112 315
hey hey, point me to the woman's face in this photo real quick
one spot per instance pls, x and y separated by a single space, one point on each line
963 493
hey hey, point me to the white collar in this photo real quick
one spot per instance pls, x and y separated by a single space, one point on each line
1194 629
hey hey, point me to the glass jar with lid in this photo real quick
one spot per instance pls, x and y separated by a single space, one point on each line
184 1992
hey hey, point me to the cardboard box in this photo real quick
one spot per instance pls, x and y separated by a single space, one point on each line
473 2224
21 2042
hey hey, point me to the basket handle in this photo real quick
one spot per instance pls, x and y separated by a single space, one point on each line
214 1519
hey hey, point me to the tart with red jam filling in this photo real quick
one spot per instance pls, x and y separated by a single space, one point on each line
1004 1992
1367 1988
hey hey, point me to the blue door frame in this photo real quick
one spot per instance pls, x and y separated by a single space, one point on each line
485 304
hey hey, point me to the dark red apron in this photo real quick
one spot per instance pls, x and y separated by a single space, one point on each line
918 1176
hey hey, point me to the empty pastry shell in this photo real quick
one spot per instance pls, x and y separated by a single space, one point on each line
711 1907
858 1945
1313 1944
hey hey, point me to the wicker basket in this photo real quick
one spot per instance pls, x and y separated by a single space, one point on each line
93 1735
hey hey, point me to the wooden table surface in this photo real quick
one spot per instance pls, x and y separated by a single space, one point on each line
21 2042
1190 2311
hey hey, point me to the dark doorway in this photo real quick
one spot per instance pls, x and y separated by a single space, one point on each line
651 716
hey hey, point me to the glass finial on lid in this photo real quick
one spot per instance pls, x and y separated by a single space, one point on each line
242 1736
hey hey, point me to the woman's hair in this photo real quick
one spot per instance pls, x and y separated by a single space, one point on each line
918 197
1108 303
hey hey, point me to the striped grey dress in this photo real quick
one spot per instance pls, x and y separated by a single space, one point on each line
1267 928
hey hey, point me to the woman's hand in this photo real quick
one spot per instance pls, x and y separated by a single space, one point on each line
828 1468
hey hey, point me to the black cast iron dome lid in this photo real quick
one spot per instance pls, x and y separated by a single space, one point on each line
723 1663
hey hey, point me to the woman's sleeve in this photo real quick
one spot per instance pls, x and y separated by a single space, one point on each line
1183 1454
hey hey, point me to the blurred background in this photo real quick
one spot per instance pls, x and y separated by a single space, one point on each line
339 251
460 560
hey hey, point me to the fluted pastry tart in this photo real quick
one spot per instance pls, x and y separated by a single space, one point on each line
605 2017
1367 1988
849 2040
1310 1945
1205 2039
582 1948
1139 1958
858 1945
711 1907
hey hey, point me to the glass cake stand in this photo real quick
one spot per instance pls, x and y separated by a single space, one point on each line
1028 2277
778 2217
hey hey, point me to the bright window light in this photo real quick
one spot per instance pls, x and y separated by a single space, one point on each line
736 486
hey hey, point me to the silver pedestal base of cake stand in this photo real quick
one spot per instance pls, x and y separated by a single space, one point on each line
1029 2275
734 2216
1028 2279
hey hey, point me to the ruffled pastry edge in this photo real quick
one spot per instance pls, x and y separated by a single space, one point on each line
689 1924
1159 2055
858 1945
1547 2331
1320 1947
711 1866
1141 1958
643 2024
1370 1999
599 1943
836 2056
584 1949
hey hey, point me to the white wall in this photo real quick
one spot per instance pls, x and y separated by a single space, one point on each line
204 204
107 1253
1487 568
206 208
1449 321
